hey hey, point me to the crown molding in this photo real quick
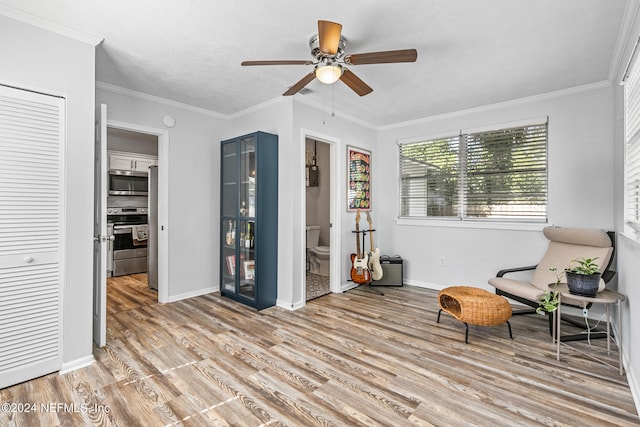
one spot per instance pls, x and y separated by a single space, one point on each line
338 113
275 101
504 104
302 100
164 101
45 24
254 108
269 103
623 41
158 100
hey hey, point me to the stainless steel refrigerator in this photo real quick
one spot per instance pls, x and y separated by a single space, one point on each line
152 241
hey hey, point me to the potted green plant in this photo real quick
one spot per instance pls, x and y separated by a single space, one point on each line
548 302
584 277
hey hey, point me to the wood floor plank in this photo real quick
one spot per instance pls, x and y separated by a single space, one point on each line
350 359
127 292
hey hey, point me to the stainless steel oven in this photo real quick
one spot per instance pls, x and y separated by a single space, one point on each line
130 236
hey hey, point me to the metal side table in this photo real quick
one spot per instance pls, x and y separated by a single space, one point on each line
606 297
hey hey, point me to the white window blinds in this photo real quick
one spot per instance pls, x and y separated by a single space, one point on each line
429 178
493 175
632 145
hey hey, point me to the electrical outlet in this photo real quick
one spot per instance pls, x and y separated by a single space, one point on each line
443 261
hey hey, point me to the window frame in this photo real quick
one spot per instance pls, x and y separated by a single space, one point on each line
461 220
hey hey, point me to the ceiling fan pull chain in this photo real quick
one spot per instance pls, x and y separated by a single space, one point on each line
324 108
333 100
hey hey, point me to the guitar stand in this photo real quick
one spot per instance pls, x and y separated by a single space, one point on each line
377 291
368 285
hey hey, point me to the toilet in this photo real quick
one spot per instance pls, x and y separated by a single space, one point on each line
318 255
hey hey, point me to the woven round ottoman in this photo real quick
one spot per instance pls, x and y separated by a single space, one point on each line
475 306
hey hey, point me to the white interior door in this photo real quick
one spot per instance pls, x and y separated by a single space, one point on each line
100 238
31 234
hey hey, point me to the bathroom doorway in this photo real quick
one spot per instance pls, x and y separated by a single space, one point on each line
318 218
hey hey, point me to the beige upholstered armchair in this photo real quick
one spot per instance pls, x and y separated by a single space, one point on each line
565 245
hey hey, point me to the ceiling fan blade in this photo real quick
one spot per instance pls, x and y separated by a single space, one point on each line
386 57
278 62
329 36
302 83
355 83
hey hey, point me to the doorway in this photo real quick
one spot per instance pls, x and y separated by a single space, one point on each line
132 239
318 217
321 243
101 191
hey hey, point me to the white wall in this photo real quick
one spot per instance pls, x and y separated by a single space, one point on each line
580 188
40 60
628 273
628 241
193 168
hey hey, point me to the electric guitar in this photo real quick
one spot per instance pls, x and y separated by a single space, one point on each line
359 262
374 254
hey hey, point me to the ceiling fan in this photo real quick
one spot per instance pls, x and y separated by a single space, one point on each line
327 47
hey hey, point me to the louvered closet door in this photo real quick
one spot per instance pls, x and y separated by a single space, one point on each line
31 141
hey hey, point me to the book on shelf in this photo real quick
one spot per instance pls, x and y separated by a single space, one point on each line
231 265
249 269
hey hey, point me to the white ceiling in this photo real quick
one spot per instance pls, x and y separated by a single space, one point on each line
470 52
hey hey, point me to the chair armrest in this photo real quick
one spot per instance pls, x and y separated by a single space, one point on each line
516 269
608 275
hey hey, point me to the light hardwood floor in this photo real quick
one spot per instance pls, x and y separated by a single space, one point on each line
351 359
129 292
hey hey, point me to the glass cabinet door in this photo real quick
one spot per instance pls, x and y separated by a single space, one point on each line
248 175
229 211
229 180
248 178
247 255
229 264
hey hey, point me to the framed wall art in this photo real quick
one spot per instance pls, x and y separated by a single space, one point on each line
358 179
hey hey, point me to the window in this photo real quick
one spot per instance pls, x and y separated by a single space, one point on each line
493 175
632 145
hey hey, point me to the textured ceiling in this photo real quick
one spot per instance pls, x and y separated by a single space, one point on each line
470 53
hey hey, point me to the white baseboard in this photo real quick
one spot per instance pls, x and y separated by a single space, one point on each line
290 306
634 386
348 285
632 380
196 293
425 285
76 364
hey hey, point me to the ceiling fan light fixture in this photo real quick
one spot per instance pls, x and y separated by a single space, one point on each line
328 73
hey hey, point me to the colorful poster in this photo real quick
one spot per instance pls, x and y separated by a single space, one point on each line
358 179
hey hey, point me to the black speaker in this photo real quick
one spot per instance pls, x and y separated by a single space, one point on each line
391 271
